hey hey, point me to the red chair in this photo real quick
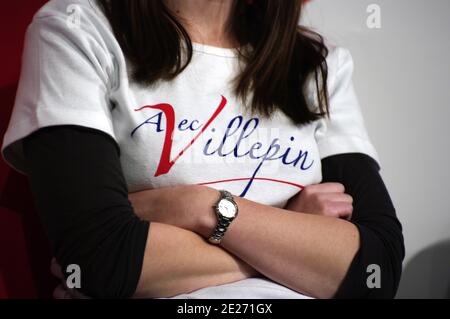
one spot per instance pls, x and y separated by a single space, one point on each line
24 249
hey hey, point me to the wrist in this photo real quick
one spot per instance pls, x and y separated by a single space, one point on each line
206 220
139 202
226 210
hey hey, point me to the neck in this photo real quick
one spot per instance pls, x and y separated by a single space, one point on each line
206 21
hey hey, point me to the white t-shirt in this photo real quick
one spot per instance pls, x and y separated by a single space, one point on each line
191 130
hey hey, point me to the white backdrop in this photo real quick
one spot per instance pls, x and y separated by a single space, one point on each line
402 77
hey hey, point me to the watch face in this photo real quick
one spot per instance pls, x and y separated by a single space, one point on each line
227 208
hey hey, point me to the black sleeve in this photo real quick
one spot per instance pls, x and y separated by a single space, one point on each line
381 239
82 198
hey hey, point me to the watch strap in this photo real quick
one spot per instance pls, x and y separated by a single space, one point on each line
223 222
219 231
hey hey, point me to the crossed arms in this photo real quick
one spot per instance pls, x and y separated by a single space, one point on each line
92 221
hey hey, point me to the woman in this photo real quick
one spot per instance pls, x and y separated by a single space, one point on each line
132 115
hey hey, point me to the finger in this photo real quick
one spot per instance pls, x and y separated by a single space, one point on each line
334 197
346 210
55 269
74 293
61 293
78 295
338 209
326 188
64 284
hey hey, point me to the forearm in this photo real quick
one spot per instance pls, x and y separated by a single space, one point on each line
179 261
91 223
308 253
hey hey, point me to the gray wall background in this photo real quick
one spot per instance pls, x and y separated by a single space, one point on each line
402 77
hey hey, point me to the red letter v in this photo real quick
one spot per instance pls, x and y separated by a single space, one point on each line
165 163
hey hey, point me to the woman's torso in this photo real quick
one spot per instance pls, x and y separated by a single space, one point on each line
194 130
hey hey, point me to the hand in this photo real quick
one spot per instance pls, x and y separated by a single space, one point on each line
327 199
188 207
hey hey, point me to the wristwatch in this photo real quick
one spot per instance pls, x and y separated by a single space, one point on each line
226 211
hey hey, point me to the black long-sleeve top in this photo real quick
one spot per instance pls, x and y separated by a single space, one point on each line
82 198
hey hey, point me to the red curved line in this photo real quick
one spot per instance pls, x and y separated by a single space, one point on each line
256 178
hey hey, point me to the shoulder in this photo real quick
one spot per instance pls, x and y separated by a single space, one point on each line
73 28
339 59
64 8
337 56
340 69
83 16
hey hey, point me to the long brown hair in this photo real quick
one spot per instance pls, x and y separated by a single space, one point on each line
284 55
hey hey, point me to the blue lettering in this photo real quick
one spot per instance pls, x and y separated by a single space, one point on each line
244 135
149 121
184 127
